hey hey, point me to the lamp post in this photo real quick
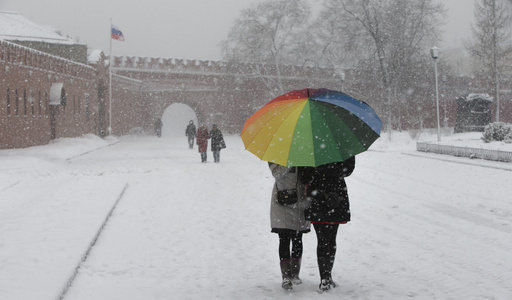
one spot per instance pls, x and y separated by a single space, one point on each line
339 72
445 118
434 51
342 76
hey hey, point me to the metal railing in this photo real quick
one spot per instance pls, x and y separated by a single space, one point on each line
495 155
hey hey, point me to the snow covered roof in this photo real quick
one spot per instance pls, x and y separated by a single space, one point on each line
15 27
471 97
94 56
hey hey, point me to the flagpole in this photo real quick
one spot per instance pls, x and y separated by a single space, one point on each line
110 82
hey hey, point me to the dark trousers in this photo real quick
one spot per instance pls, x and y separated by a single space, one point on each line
190 142
326 247
285 239
216 156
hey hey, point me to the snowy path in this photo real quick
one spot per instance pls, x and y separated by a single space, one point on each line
422 228
445 231
48 220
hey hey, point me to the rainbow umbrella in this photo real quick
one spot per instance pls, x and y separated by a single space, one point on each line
311 127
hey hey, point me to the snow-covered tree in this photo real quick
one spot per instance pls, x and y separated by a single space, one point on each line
390 40
268 36
491 41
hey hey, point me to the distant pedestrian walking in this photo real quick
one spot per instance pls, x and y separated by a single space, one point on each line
190 132
218 142
158 127
202 141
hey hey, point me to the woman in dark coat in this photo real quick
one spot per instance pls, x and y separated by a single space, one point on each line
202 141
329 207
218 142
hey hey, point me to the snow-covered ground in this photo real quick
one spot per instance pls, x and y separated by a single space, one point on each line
424 226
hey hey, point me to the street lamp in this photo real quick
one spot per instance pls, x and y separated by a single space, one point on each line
339 72
445 108
342 76
434 51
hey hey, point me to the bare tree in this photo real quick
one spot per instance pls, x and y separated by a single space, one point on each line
392 37
268 36
490 44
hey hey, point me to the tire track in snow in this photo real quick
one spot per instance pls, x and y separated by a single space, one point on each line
5 188
90 151
91 244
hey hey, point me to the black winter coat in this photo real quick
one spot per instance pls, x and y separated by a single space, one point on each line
327 191
217 140
191 131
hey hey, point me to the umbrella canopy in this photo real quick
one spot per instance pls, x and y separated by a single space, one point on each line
311 127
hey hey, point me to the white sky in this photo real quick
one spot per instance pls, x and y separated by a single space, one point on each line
173 28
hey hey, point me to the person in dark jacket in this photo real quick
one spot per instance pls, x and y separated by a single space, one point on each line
218 142
190 132
288 221
202 141
329 208
158 127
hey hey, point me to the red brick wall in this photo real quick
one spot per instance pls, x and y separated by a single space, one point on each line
144 87
26 77
217 91
128 110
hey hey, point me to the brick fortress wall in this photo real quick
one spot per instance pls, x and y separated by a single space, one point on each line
26 77
218 92
142 88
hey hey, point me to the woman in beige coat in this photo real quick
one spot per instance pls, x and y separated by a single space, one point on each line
288 221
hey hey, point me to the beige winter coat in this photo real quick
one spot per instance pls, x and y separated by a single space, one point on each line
289 216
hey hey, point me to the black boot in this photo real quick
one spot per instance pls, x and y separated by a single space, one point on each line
326 284
286 273
295 270
325 265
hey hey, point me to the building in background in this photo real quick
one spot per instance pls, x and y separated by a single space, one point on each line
52 87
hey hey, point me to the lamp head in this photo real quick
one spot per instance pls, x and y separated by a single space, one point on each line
434 51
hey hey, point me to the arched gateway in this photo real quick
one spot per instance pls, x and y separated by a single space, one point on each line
217 92
175 119
47 97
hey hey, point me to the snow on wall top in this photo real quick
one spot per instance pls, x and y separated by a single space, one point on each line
94 56
471 97
15 27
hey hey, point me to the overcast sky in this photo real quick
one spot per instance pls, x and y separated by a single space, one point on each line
173 28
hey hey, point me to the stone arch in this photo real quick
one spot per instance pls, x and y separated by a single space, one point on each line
176 117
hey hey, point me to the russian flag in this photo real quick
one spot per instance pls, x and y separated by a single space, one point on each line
116 34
